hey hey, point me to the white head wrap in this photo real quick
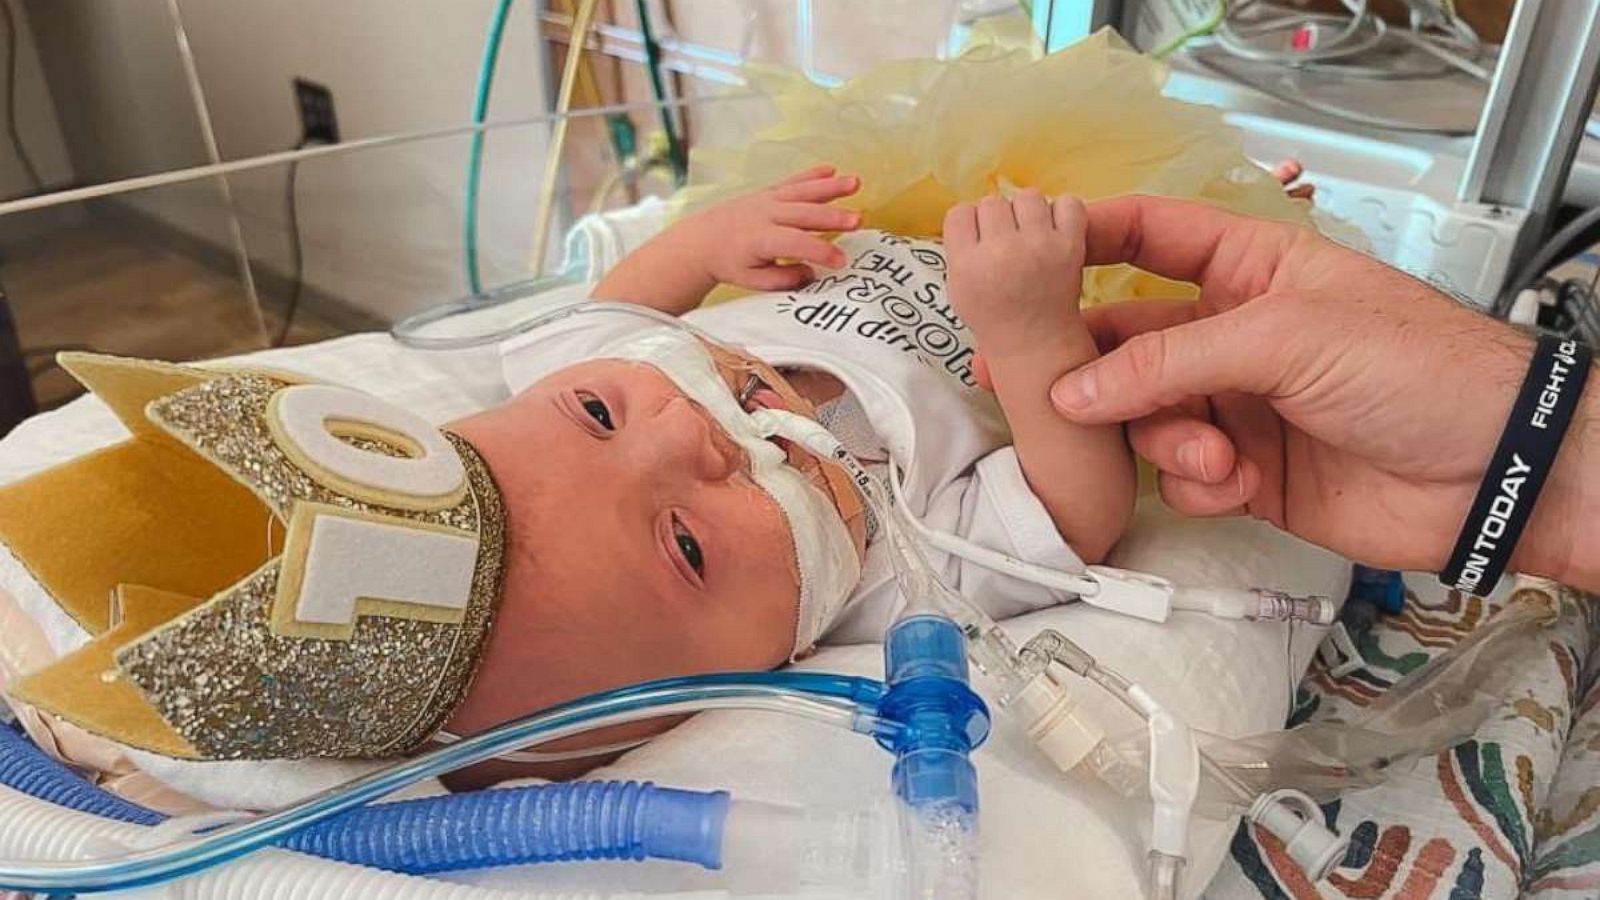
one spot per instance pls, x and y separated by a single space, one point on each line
829 566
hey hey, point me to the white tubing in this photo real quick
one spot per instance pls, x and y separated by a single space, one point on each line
281 875
36 830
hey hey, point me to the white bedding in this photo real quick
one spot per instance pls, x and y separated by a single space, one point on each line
1042 836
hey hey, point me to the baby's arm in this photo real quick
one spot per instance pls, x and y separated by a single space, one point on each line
1016 270
740 242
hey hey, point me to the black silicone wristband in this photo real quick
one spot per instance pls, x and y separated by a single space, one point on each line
1521 463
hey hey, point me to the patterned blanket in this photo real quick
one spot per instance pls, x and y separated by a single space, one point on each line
1512 811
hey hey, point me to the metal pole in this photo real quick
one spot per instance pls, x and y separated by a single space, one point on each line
343 148
1063 22
1533 118
209 135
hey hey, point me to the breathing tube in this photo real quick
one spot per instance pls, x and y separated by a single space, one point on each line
850 703
482 829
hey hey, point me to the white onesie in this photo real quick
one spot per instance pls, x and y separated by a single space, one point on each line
883 327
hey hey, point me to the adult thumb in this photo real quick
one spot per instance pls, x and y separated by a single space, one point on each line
1162 367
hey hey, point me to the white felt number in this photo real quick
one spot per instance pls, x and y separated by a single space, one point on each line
353 565
308 420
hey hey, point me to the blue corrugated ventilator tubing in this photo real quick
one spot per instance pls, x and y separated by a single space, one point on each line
510 826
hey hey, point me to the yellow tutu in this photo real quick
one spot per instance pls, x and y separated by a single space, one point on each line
926 134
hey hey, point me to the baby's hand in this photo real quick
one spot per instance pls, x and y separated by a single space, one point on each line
1016 270
761 240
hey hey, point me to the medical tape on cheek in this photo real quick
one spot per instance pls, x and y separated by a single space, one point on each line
824 552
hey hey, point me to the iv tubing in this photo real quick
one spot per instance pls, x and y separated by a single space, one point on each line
848 703
480 111
1122 689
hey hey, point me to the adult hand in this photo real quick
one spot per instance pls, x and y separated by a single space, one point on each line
1311 386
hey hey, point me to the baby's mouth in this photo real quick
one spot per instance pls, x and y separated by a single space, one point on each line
763 397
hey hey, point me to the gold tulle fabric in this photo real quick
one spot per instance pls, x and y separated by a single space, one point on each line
926 134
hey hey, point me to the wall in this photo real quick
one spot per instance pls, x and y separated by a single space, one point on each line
37 127
381 230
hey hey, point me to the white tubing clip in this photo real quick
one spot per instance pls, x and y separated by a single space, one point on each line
1339 653
1136 594
1296 820
1174 782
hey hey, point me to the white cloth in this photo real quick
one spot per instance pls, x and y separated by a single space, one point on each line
882 326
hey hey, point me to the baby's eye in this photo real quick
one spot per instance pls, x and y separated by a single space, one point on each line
597 410
689 546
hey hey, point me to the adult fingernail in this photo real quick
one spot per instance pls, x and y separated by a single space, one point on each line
1075 392
1192 457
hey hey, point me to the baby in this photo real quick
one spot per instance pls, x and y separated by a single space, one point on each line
638 548
267 568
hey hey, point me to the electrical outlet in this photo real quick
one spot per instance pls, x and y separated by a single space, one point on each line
317 122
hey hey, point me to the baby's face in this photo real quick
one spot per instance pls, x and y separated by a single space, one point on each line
637 545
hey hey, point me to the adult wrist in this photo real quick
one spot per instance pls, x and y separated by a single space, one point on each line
1562 540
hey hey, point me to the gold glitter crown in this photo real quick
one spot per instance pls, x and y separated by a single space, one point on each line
267 568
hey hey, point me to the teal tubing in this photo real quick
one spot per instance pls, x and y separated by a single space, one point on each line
658 86
840 700
480 114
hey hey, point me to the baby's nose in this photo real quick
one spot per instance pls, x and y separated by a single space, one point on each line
689 440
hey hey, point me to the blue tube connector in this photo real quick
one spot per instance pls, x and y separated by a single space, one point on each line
942 719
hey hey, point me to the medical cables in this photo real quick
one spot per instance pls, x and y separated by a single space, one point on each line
1453 43
1261 32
